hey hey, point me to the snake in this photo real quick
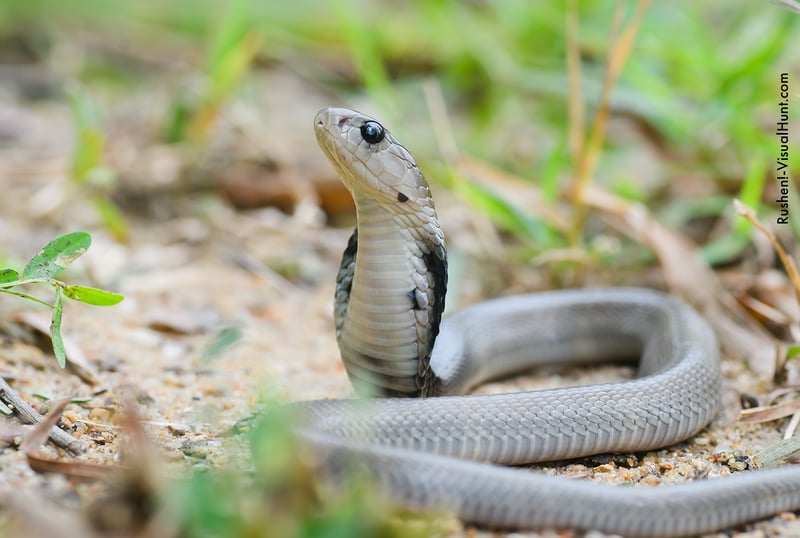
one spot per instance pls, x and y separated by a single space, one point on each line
416 432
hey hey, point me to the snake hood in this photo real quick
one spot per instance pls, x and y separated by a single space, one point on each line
393 276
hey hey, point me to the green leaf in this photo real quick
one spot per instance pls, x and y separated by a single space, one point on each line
235 23
92 296
47 397
55 331
8 275
57 254
112 217
223 341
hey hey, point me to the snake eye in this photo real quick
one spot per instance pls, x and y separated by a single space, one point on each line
372 132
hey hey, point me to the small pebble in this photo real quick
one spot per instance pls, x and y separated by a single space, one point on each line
605 468
99 414
650 480
665 466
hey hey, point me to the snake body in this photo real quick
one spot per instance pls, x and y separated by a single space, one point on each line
442 452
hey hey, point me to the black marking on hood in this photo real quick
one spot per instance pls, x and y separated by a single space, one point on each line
344 280
436 264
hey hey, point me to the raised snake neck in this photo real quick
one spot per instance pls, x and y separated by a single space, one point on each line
411 447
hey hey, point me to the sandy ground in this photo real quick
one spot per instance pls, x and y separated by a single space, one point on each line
186 277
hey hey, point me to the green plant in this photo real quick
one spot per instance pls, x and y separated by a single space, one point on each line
277 492
88 170
41 269
230 54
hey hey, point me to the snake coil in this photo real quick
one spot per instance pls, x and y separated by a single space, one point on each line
443 452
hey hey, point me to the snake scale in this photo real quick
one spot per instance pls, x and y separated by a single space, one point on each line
444 451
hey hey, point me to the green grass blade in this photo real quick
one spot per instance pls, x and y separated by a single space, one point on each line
504 213
362 41
234 26
731 245
113 218
90 146
752 192
223 341
57 254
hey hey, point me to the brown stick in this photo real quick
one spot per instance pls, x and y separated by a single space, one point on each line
28 415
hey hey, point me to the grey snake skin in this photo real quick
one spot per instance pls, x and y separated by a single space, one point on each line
444 452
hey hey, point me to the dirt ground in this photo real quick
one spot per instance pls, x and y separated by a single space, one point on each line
194 266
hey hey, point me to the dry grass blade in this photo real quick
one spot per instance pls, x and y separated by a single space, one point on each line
39 435
765 311
791 268
769 413
440 121
693 279
772 397
792 426
587 159
575 103
519 194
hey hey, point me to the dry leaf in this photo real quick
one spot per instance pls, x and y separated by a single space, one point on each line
768 413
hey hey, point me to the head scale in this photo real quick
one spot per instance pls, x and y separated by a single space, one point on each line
370 160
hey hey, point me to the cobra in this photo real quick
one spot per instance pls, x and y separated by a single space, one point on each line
444 450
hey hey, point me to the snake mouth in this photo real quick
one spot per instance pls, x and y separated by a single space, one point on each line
332 120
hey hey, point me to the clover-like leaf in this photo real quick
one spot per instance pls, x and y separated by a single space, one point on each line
93 296
8 275
57 254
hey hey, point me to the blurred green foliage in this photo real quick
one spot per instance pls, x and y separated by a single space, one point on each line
94 180
278 494
232 49
701 82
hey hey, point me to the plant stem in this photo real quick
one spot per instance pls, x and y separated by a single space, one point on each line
26 296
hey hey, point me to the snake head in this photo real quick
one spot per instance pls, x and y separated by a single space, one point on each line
371 162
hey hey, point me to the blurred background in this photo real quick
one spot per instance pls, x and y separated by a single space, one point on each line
132 105
575 143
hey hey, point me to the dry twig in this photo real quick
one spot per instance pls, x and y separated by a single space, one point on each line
28 415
